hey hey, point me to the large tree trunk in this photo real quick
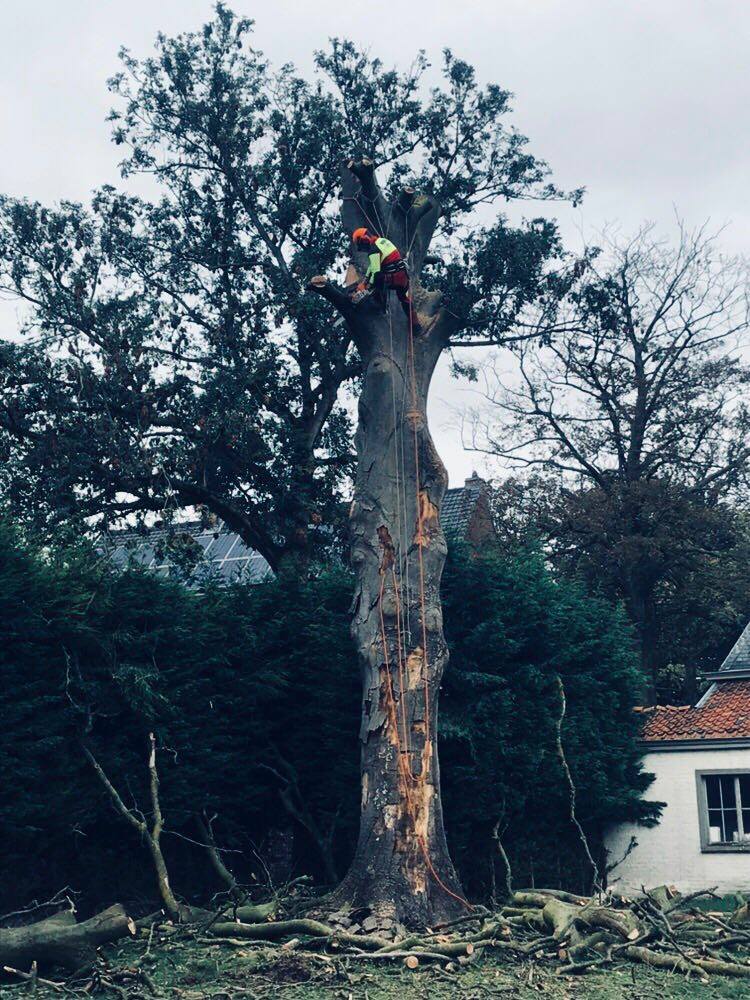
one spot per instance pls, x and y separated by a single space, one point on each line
401 869
398 549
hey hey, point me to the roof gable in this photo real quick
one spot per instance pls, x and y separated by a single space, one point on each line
465 512
738 657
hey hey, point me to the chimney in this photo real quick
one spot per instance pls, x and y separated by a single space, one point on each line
475 483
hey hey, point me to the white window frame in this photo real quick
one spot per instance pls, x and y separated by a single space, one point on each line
724 846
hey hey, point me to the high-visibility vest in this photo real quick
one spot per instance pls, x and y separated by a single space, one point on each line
383 249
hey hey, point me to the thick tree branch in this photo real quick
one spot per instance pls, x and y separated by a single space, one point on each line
421 223
333 293
372 202
244 522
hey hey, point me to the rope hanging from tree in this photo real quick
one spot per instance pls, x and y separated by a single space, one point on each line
409 779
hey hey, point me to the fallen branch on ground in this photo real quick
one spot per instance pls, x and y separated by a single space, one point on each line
568 933
60 940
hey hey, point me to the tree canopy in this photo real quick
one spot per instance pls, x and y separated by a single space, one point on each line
170 355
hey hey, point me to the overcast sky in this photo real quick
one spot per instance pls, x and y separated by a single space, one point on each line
644 102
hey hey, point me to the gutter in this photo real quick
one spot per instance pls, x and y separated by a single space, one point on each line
715 743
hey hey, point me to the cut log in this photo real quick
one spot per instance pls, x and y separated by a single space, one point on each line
624 923
256 914
560 917
664 960
273 931
59 940
537 897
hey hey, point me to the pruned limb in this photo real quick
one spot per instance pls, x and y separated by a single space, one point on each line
420 227
371 201
437 955
361 204
538 897
665 960
406 199
217 862
333 293
504 858
273 931
463 946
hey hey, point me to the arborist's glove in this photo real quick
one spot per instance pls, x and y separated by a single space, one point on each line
363 286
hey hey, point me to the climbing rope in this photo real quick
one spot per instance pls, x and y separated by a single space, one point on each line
408 779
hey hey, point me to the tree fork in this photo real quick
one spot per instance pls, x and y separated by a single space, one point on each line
402 869
152 835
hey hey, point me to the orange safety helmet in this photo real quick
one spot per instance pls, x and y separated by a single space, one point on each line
359 234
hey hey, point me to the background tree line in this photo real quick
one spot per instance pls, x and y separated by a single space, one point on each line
254 701
629 426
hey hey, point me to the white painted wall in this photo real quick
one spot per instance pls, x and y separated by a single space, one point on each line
671 852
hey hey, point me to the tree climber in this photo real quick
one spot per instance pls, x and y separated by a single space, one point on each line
386 270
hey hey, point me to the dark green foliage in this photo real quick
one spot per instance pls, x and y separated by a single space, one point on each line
37 607
171 355
233 682
692 552
511 629
254 692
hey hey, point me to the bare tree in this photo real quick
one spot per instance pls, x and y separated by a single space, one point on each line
634 399
150 834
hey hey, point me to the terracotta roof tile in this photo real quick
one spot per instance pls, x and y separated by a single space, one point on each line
725 715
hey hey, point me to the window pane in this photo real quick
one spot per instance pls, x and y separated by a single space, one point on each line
712 791
730 825
745 790
715 826
727 790
746 823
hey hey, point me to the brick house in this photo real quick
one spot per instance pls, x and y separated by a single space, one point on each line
466 513
700 756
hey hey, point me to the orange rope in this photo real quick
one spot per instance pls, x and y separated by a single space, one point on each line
408 779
